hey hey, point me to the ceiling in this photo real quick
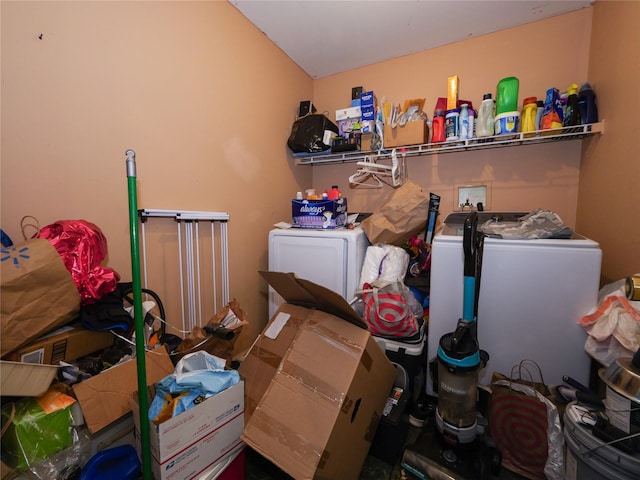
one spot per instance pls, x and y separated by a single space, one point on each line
325 37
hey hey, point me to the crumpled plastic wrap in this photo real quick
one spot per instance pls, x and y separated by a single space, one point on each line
83 247
534 225
613 327
40 437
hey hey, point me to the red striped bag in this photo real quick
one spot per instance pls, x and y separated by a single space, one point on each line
386 311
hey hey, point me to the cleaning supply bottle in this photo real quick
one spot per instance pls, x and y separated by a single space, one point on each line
572 112
452 125
464 122
472 123
563 104
507 95
437 123
587 104
552 111
485 121
540 105
529 110
334 193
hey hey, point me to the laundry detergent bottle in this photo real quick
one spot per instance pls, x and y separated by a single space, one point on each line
587 104
529 111
572 112
485 120
507 95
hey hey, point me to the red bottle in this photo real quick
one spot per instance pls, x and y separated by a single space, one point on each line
437 125
334 193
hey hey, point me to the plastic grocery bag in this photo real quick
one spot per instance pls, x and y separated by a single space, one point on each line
36 428
383 264
613 327
197 376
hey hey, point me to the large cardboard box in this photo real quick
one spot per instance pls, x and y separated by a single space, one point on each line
184 446
316 383
62 345
412 133
107 396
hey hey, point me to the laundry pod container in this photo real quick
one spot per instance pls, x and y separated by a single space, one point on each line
589 458
507 123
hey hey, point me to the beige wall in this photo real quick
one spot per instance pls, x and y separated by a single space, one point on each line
524 178
207 102
201 95
610 171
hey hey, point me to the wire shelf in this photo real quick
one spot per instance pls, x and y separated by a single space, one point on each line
496 141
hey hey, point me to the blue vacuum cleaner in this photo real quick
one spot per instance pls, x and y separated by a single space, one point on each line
459 356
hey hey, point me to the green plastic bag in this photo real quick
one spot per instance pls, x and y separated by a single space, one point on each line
35 428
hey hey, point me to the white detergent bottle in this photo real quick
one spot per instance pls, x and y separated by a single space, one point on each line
464 121
486 117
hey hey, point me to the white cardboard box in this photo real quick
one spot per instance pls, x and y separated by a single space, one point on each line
185 446
351 112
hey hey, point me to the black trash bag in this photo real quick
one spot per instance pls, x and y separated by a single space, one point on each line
307 133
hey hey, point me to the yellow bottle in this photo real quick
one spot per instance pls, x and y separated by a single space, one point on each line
529 111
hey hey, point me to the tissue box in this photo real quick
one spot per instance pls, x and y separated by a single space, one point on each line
319 214
351 112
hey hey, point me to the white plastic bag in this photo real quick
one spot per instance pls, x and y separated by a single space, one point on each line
613 328
384 264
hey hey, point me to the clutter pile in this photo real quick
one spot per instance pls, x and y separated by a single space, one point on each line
69 374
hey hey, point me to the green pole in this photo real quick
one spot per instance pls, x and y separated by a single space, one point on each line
143 400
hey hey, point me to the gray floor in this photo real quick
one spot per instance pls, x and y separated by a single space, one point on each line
258 468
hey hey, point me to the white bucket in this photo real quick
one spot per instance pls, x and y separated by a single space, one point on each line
589 458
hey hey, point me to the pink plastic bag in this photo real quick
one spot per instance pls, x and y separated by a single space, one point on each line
83 247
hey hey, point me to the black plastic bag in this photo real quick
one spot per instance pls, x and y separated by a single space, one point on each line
307 133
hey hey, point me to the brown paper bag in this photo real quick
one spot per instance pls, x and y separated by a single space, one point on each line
37 293
403 215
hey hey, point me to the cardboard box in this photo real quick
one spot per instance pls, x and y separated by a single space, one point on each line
368 99
107 396
316 383
185 446
25 379
62 345
368 113
319 214
365 142
350 125
346 113
367 126
413 133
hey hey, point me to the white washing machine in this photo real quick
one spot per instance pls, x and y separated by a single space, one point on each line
532 295
331 258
